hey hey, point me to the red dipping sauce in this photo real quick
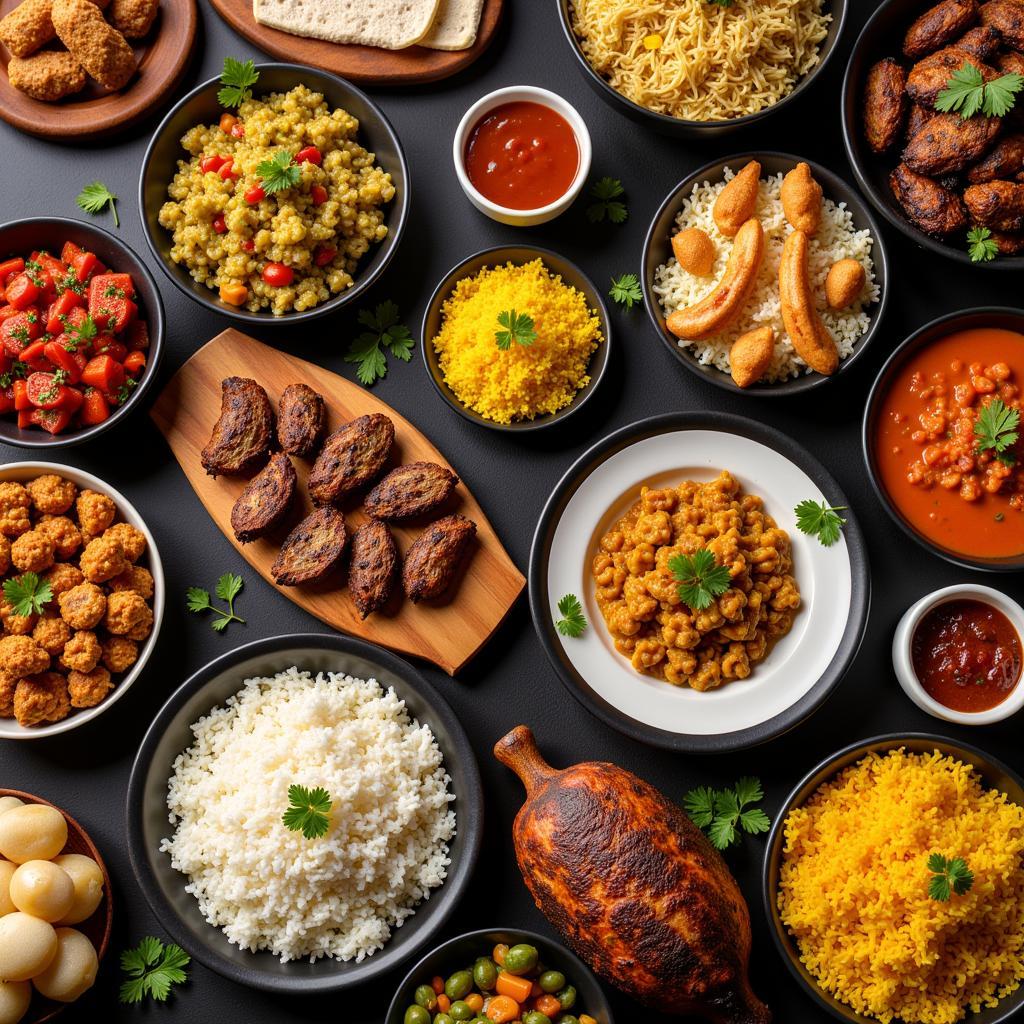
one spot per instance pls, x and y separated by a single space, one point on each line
522 155
967 655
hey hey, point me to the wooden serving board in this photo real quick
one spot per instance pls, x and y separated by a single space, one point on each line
368 64
449 633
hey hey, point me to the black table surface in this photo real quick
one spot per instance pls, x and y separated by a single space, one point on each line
510 681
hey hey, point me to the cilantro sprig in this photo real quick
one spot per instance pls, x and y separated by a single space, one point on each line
385 333
152 968
95 198
721 813
573 622
607 191
819 520
968 93
981 246
518 327
700 579
81 333
948 877
309 811
27 594
236 80
625 290
996 430
279 172
227 589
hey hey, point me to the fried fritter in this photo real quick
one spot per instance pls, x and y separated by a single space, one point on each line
1010 63
351 457
29 26
372 565
266 499
885 103
934 209
300 419
41 698
982 41
434 558
133 18
1005 161
1007 18
412 490
95 44
48 76
939 25
1008 243
928 77
240 442
948 143
998 205
312 549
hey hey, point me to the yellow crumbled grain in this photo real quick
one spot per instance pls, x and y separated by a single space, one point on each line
523 381
854 888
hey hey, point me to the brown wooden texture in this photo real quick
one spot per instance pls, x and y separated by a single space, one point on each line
447 633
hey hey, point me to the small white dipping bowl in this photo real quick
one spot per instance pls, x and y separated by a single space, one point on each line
903 664
521 94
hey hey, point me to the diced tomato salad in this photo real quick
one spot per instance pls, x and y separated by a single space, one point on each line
72 344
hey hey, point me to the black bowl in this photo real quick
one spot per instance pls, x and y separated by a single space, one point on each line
517 254
18 237
994 773
882 37
982 316
462 952
676 126
200 106
658 249
170 734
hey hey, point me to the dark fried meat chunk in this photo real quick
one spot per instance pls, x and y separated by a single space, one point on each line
982 41
265 500
1007 243
949 143
1007 18
312 549
928 77
934 209
351 457
412 490
1010 63
917 118
885 103
998 205
372 566
939 25
300 419
434 558
240 442
1005 161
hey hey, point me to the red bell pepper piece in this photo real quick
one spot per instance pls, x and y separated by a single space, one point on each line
17 332
22 291
104 373
107 344
52 420
8 268
135 363
61 307
34 356
72 363
95 408
25 418
45 390
21 400
7 400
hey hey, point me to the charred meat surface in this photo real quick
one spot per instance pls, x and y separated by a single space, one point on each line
300 420
885 103
1007 243
1005 161
939 25
934 209
434 558
949 143
372 566
998 205
312 549
351 458
982 41
931 76
412 490
917 118
240 442
266 499
1007 18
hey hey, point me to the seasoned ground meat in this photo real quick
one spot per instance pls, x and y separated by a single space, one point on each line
83 606
14 509
87 689
102 559
82 652
52 494
32 552
95 512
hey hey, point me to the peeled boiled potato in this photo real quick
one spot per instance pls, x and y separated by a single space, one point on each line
27 945
14 999
42 889
7 869
87 879
32 832
8 803
72 970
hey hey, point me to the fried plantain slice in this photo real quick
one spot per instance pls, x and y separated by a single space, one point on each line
412 490
300 419
265 500
351 458
434 558
312 549
373 564
240 442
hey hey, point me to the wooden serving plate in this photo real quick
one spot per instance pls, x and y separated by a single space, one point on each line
368 64
448 633
95 928
96 112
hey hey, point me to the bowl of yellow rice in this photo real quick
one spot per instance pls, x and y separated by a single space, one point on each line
516 338
894 882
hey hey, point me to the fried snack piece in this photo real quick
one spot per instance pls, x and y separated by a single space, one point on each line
1007 18
917 118
5 553
928 77
983 41
312 549
119 653
266 499
41 698
998 205
95 512
1010 63
64 535
131 539
136 578
51 494
16 625
1005 161
8 685
96 45
87 689
751 355
32 552
939 25
694 251
29 26
82 652
1007 243
351 458
725 302
301 414
62 577
434 558
373 561
127 613
84 606
52 634
103 559
133 18
240 442
934 209
885 104
22 656
801 199
948 143
412 490
736 202
844 282
810 337
14 509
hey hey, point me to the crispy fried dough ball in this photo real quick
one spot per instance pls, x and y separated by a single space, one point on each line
27 945
14 506
119 653
133 541
52 494
82 652
72 970
5 553
22 656
87 689
17 625
102 559
8 684
95 512
83 606
133 18
141 630
87 879
32 552
41 698
64 535
51 633
63 577
134 578
7 870
32 832
42 889
127 611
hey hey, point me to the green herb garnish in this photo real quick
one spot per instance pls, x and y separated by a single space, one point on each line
152 969
626 290
518 327
819 520
573 622
606 191
700 579
236 79
948 876
996 430
27 594
80 333
227 589
279 172
719 811
95 197
18 371
125 390
385 333
309 812
967 92
982 246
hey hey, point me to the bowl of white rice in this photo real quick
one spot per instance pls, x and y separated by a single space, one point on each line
848 231
276 907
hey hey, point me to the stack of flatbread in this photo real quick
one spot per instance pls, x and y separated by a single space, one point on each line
390 24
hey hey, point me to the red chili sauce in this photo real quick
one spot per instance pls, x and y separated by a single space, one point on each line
967 655
522 156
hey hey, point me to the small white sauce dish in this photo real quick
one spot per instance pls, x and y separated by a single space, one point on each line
521 94
902 659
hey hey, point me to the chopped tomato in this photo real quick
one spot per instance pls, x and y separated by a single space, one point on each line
228 170
61 307
277 275
112 285
8 268
45 390
219 224
84 264
212 163
248 246
255 194
7 399
318 194
21 400
22 291
95 408
323 254
53 266
104 373
134 363
16 332
25 417
238 130
110 301
227 122
34 356
309 154
72 400
69 252
107 344
52 420
137 335
6 312
72 363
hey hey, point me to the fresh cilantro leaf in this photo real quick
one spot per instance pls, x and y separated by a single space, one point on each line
152 968
309 811
228 586
18 371
227 589
518 328
573 621
279 172
699 804
1001 94
722 832
719 811
982 246
94 199
606 191
626 290
948 877
236 79
198 599
818 520
964 92
385 333
755 820
721 3
996 430
125 390
748 790
27 594
700 579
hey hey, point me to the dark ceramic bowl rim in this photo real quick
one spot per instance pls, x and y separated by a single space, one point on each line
362 282
849 100
668 123
598 361
578 967
840 192
919 338
437 908
40 440
826 769
796 713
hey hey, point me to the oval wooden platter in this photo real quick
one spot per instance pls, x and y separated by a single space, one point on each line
448 633
367 64
96 112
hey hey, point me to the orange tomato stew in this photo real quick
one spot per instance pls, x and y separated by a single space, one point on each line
933 442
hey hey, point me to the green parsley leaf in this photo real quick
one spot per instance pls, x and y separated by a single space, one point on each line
965 92
27 594
719 811
227 589
18 371
626 290
94 199
573 621
236 79
279 172
309 812
518 328
948 876
996 430
385 333
228 586
818 520
699 804
700 579
982 246
198 599
606 191
125 390
1001 94
152 968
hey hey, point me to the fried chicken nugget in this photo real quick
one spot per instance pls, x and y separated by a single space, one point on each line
22 656
30 26
97 46
87 689
8 684
82 652
41 698
133 18
51 494
48 76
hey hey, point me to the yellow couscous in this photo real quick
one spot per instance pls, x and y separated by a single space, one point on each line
235 235
522 381
854 888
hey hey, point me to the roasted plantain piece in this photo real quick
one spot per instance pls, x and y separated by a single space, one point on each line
240 442
939 25
312 549
372 566
885 104
434 558
265 500
412 490
351 458
300 419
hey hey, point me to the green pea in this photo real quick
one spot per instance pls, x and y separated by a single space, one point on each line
458 986
485 974
461 1011
426 997
566 1018
521 959
444 1018
417 1015
551 981
536 1017
567 997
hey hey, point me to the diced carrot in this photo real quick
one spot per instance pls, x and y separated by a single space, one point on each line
498 953
437 984
585 1018
234 294
502 1009
510 985
444 1004
549 1006
474 1001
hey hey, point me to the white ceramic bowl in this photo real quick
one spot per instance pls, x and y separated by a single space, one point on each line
22 471
903 664
521 94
